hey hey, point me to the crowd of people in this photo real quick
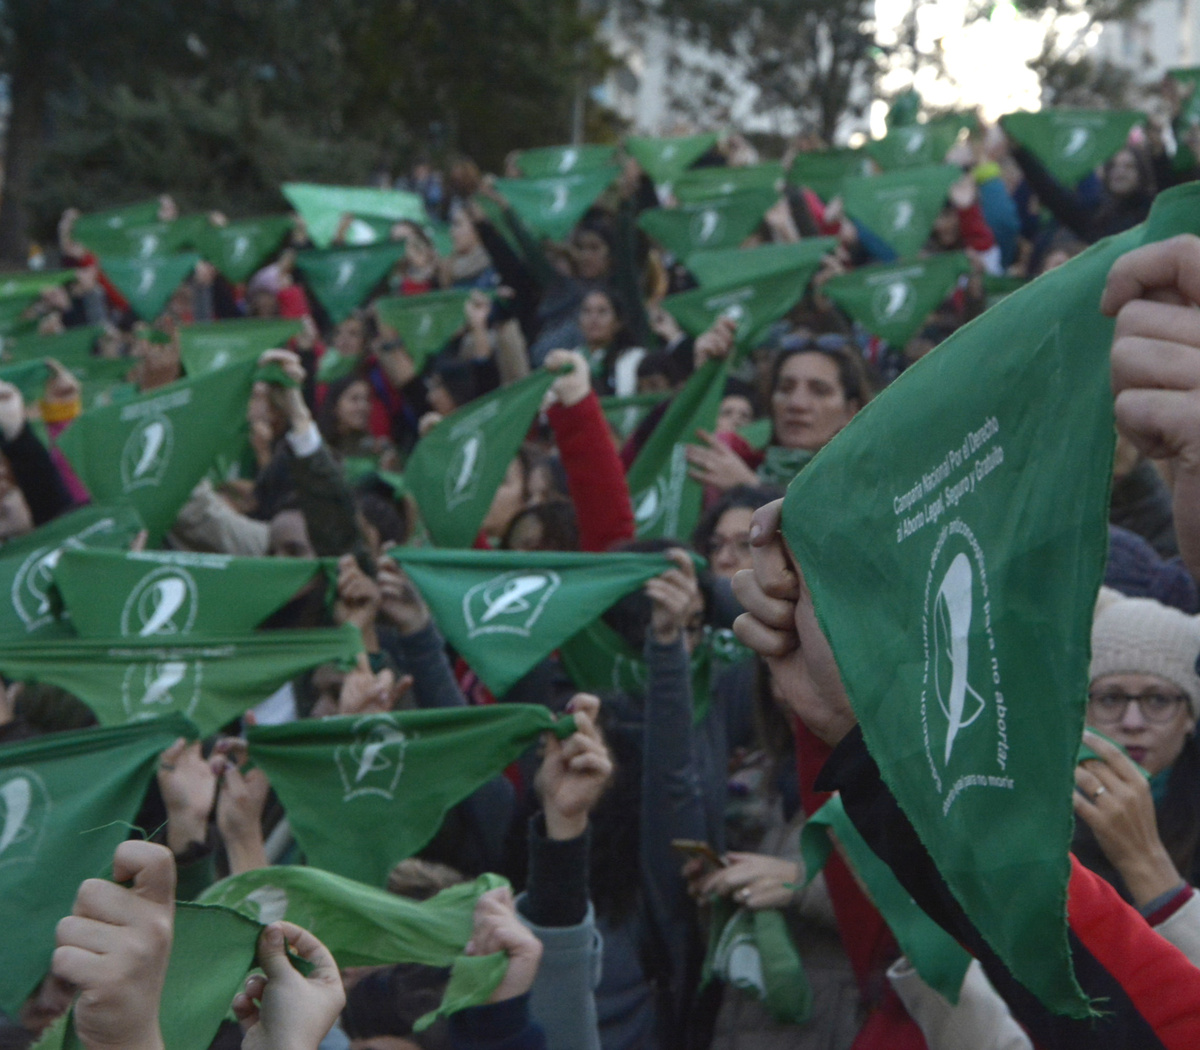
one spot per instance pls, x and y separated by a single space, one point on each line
674 801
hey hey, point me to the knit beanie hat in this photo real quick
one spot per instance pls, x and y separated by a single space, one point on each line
1142 636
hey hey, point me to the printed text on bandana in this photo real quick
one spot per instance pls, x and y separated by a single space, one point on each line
955 477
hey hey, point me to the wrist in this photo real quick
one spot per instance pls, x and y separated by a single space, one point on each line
1149 876
563 828
183 830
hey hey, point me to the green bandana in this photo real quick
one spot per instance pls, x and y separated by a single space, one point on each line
625 414
940 960
12 321
333 366
212 681
723 222
27 565
733 264
148 284
97 223
150 241
664 160
151 451
892 301
551 207
551 161
823 171
666 499
754 301
212 951
783 464
1072 143
506 611
70 348
362 793
758 434
33 283
753 950
954 536
900 207
66 800
29 377
341 278
172 594
918 145
206 347
322 207
454 471
425 322
365 926
240 248
705 184
997 287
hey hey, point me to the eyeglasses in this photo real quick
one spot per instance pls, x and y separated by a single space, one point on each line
1109 708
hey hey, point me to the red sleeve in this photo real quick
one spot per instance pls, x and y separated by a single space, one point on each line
976 233
1161 983
115 299
595 477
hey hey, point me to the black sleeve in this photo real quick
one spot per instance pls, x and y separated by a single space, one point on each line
1062 203
556 893
516 275
36 476
878 817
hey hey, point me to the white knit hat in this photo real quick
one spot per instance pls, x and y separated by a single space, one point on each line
1142 636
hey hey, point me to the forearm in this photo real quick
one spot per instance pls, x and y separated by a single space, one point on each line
422 654
556 893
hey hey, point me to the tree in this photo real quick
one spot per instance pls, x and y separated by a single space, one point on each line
813 59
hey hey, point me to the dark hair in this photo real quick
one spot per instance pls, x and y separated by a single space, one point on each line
1146 186
749 496
735 387
391 1001
852 373
553 465
383 515
327 415
658 363
560 530
597 221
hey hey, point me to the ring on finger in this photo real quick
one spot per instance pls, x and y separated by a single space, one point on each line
1099 791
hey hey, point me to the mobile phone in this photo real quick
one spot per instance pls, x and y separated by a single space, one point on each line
696 848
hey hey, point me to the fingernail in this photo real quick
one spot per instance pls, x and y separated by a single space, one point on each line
274 937
756 530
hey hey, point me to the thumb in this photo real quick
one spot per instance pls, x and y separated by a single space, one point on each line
150 866
272 952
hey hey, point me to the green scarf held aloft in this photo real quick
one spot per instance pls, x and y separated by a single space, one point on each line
550 207
150 452
893 300
27 566
238 249
721 222
149 283
940 960
666 498
706 184
901 206
551 161
754 301
625 414
918 145
454 471
362 793
174 594
342 278
753 950
1072 143
151 240
365 926
215 344
730 264
210 680
823 171
97 223
66 801
323 207
664 160
953 537
70 348
425 323
32 283
506 611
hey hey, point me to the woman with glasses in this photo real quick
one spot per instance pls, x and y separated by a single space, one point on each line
1139 827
